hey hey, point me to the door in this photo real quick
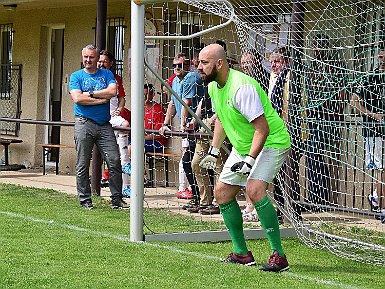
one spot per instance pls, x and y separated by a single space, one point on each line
55 88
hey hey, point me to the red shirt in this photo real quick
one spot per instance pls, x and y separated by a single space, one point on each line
154 119
121 92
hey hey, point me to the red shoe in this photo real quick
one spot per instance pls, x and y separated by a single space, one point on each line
276 264
245 260
185 194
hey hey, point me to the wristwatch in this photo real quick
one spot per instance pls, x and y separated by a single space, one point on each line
91 92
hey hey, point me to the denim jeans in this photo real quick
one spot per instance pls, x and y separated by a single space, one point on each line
87 134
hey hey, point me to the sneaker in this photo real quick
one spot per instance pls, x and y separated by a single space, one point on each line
211 210
104 183
126 169
194 209
87 204
117 204
245 260
373 202
185 194
250 216
276 264
382 218
126 192
191 204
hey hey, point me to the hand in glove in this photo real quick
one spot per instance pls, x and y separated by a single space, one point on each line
209 162
244 167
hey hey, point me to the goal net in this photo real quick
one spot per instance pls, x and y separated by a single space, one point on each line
332 187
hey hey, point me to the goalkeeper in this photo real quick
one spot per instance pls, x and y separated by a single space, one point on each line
260 142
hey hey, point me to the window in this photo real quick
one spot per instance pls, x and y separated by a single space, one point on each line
6 37
115 42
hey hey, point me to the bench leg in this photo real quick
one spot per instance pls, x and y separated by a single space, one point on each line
166 168
44 153
57 163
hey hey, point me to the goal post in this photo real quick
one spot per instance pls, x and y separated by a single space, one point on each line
137 82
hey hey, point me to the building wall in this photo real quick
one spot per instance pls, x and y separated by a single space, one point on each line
30 48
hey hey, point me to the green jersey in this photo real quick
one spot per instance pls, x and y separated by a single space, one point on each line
238 103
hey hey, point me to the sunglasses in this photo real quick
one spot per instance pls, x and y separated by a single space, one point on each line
179 65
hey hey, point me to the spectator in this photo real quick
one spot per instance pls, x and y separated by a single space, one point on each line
189 88
260 145
251 64
279 97
369 101
184 190
91 89
325 90
106 61
153 120
205 178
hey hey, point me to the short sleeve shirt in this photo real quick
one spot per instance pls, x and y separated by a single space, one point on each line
85 82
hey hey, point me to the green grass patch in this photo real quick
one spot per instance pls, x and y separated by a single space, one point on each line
48 241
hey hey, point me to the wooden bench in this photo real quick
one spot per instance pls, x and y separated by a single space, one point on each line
8 167
46 148
152 156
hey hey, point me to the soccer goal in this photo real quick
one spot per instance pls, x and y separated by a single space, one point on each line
332 187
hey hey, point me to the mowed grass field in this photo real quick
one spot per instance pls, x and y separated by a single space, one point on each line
48 241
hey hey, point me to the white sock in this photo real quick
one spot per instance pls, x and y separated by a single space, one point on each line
182 177
122 141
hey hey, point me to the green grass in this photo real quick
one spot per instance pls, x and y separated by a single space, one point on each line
39 249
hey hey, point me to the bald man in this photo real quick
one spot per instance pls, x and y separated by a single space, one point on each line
260 142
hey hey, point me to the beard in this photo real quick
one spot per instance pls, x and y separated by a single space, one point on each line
207 78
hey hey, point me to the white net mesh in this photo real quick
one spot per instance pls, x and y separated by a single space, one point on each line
335 105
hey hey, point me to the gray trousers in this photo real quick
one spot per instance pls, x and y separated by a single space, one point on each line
87 134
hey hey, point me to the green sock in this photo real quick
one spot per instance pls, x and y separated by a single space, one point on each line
232 217
269 222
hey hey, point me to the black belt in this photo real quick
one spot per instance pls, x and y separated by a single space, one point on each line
82 118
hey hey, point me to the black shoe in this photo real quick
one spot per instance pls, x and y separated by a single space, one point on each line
87 204
192 203
194 209
117 204
104 183
211 210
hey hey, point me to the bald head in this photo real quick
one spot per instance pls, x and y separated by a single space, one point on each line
213 65
214 51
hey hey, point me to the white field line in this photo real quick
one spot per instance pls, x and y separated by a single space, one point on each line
169 248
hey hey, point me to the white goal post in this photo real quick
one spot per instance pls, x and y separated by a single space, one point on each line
137 115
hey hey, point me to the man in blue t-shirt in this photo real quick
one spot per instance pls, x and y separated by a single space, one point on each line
91 89
189 87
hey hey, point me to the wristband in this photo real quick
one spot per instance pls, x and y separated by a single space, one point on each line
213 151
250 160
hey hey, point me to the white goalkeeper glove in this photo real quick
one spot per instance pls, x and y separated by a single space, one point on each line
244 167
209 162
